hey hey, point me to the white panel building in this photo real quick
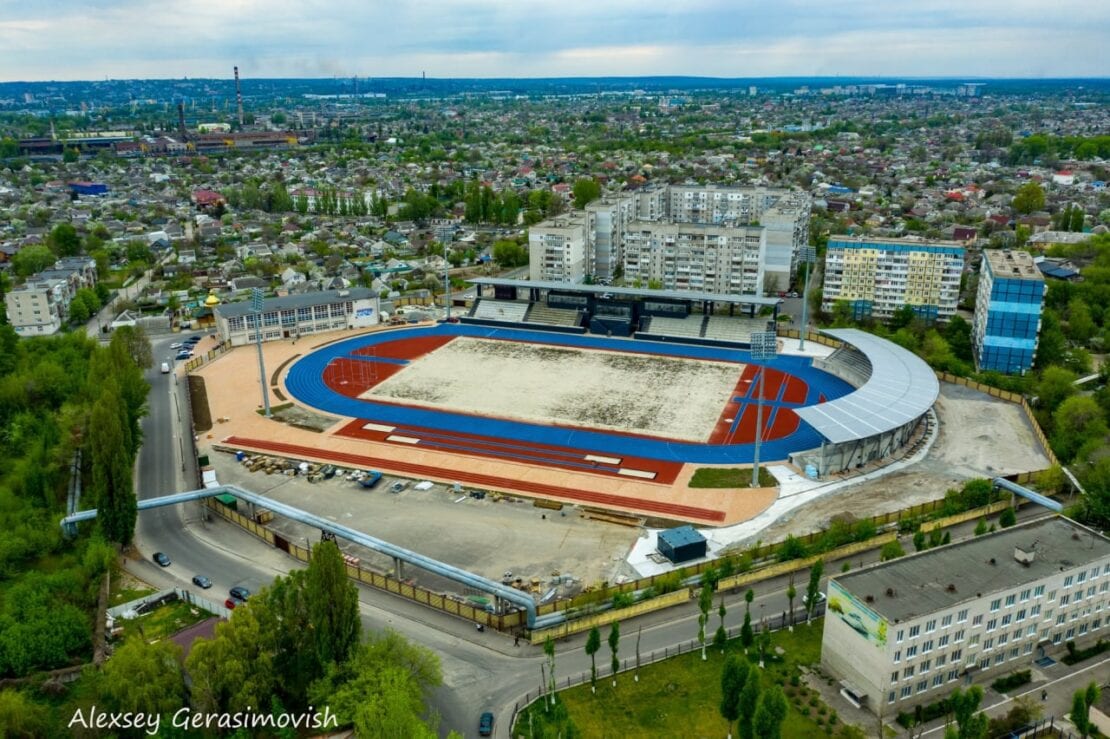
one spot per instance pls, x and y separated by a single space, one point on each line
298 315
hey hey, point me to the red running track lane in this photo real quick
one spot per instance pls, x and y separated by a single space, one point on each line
670 510
721 430
786 423
413 348
796 390
504 450
353 377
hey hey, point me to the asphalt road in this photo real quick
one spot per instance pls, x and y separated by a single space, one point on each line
482 671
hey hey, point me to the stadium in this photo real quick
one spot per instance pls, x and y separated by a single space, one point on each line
615 415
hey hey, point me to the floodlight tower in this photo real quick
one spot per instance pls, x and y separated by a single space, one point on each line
256 306
808 255
446 284
764 346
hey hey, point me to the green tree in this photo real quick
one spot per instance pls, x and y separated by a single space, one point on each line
791 594
1029 198
332 604
143 678
549 650
749 698
32 259
1007 518
593 643
21 717
235 670
614 645
705 602
747 637
735 673
813 588
970 723
721 637
958 335
69 156
586 190
919 541
1078 421
110 448
1055 386
770 712
64 241
1081 703
891 550
1081 327
510 254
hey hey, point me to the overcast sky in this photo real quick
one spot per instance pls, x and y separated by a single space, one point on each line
96 39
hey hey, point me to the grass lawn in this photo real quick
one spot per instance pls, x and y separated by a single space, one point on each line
680 697
126 595
163 622
708 477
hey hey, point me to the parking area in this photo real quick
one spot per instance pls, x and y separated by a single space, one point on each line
490 536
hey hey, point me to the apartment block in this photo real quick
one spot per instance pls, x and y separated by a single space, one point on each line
1008 309
40 306
694 256
703 234
557 250
911 630
879 276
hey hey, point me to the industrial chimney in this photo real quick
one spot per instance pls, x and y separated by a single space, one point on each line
239 96
181 121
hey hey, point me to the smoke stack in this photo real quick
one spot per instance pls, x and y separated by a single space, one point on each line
181 121
239 96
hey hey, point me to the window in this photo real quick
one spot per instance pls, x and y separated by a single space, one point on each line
953 674
1010 600
1028 648
911 652
890 697
956 654
1020 616
1082 577
1025 595
1065 599
1006 620
923 686
1104 587
962 615
946 621
1051 595
1082 629
977 621
958 637
1038 591
984 663
894 677
973 640
901 635
906 691
897 656
930 625
1031 629
996 604
924 666
914 631
988 644
927 646
942 642
999 658
992 624
1017 634
1069 580
1061 618
1091 592
1003 638
1035 611
1078 596
938 679
941 660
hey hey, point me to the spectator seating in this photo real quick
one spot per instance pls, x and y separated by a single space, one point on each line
663 326
544 314
506 311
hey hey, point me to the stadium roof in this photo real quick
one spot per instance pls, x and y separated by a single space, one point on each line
629 291
901 388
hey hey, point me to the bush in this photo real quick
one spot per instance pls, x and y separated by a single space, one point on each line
792 548
1017 679
865 530
929 712
891 550
1007 518
1075 656
622 600
981 527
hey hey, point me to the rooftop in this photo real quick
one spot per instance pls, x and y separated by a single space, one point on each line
681 536
901 388
303 300
573 287
1013 265
941 578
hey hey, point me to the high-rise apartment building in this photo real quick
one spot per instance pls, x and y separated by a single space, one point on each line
737 239
911 630
879 276
40 306
1007 312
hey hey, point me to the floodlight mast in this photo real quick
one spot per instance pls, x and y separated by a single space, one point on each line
764 346
257 306
808 255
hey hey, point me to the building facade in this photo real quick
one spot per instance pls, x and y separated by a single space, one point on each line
40 306
910 630
1008 309
618 233
879 276
294 316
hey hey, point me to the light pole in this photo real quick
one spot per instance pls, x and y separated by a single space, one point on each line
446 284
257 306
764 344
808 255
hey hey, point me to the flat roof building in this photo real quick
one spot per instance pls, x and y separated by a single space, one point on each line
910 630
1008 307
297 315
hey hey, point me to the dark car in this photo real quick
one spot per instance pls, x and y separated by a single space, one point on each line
240 592
192 339
183 355
202 582
162 559
485 724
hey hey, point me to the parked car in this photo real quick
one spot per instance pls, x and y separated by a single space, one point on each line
176 345
821 598
183 355
397 487
230 603
372 478
240 592
485 724
162 559
202 582
193 339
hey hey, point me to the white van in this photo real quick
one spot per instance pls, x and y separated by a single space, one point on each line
165 368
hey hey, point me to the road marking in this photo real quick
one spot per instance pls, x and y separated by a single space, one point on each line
403 439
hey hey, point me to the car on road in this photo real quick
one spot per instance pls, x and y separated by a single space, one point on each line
193 339
202 582
183 355
162 559
165 368
821 598
176 345
485 724
240 593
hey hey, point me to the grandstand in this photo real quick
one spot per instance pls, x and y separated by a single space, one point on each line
733 328
488 310
545 315
848 364
893 398
690 327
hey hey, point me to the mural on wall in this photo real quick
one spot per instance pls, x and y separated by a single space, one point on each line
859 617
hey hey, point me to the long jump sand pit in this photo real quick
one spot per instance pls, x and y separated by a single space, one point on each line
668 397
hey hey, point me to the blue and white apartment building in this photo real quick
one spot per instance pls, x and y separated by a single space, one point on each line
1007 312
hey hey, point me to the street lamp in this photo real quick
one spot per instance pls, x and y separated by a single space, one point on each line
809 256
257 306
446 283
764 346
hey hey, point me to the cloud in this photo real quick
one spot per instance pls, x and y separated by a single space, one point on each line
83 39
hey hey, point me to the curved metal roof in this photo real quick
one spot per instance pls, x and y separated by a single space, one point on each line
902 387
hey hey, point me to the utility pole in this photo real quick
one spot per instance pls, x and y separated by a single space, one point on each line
446 284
